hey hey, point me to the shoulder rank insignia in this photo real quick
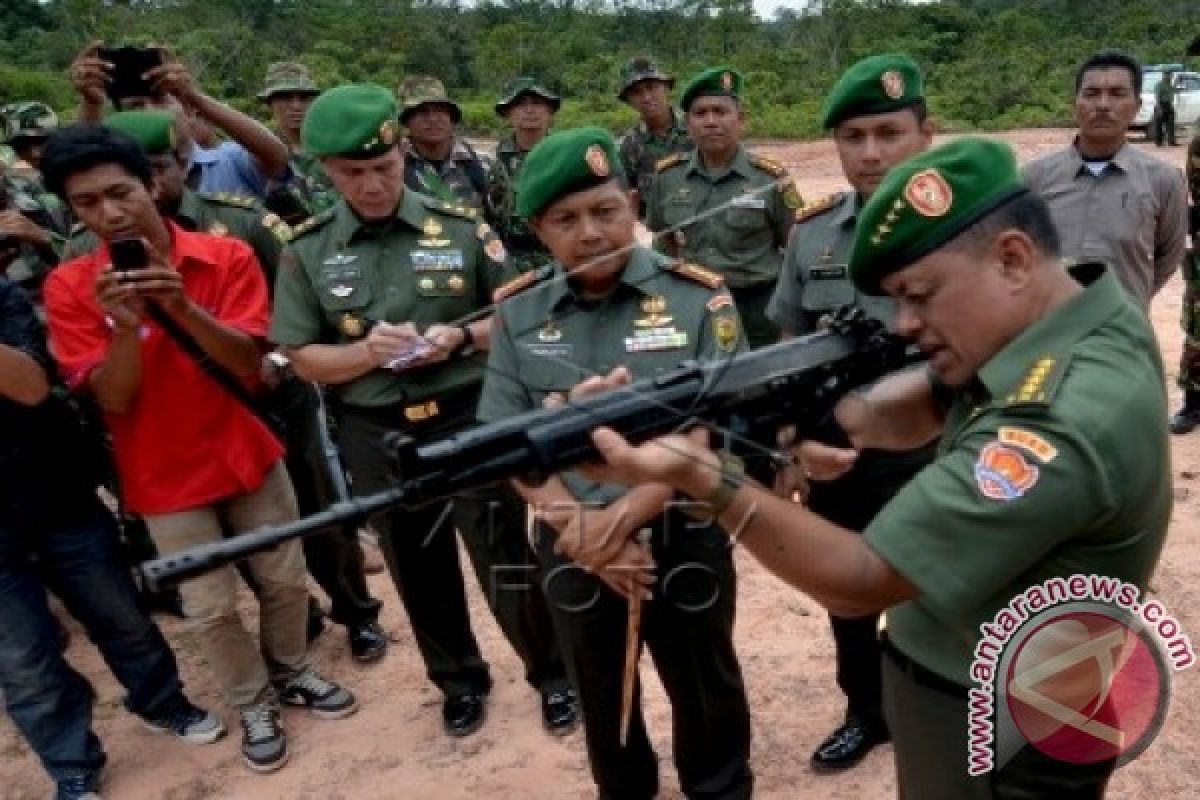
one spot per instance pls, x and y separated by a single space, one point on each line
521 283
768 165
312 223
670 161
699 274
229 199
1040 383
817 207
449 208
281 230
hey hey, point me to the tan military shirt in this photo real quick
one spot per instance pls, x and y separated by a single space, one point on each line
1132 216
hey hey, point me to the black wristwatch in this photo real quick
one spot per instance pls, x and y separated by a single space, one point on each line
467 346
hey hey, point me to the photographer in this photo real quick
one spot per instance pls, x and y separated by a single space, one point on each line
49 511
246 164
193 460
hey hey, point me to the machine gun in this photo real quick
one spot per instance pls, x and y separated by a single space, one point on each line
796 382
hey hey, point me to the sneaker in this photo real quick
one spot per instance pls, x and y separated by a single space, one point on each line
323 698
79 787
264 744
189 722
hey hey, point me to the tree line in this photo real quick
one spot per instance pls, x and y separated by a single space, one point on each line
990 64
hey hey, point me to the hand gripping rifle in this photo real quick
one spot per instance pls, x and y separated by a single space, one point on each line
796 382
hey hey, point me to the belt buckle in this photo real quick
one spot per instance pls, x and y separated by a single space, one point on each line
422 411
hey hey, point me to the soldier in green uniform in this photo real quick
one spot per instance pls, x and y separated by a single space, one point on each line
33 226
529 108
334 559
438 162
1187 419
29 125
1164 111
723 206
661 130
1036 375
288 91
375 299
878 117
607 302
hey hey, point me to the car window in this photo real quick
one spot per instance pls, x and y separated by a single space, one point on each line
1189 83
1150 81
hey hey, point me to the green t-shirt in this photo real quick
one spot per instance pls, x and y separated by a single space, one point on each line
1055 462
431 263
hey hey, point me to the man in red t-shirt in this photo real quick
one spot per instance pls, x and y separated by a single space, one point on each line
191 459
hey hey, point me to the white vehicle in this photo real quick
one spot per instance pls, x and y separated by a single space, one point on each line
1187 97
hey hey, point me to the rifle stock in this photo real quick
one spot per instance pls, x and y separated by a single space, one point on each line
796 382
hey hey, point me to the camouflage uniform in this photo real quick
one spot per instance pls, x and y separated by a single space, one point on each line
1189 367
308 190
640 148
29 267
462 178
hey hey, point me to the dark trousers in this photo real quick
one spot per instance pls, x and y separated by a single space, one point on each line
852 502
751 302
335 557
688 629
1164 126
49 701
421 552
929 733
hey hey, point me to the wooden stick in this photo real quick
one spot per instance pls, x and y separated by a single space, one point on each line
633 632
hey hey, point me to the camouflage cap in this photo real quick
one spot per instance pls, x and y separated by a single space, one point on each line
641 68
926 201
33 120
287 76
874 85
421 90
521 86
354 120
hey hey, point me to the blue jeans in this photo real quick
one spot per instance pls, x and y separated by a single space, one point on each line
49 701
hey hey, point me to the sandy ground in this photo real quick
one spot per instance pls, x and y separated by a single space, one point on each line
394 747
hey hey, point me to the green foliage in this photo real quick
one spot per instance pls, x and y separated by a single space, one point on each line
990 64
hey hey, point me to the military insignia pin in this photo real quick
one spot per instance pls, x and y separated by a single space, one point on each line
455 283
341 291
387 132
352 326
893 84
653 306
727 81
549 332
432 230
597 161
426 284
725 330
928 193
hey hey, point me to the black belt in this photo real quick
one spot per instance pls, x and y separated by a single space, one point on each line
920 675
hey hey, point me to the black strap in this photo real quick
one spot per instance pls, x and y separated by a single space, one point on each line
227 380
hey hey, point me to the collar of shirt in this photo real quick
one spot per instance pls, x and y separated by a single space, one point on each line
676 129
640 274
1122 159
348 226
846 213
188 213
1101 297
740 165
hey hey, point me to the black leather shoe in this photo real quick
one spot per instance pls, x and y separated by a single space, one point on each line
463 713
1185 421
560 711
848 745
368 642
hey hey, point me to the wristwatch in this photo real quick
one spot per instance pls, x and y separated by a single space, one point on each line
467 346
733 476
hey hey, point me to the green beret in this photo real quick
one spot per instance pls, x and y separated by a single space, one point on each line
874 85
154 131
715 81
926 201
355 120
525 85
565 162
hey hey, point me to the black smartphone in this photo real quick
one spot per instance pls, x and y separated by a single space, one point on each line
129 64
127 255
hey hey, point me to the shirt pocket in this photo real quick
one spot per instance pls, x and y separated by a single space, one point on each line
746 219
344 288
